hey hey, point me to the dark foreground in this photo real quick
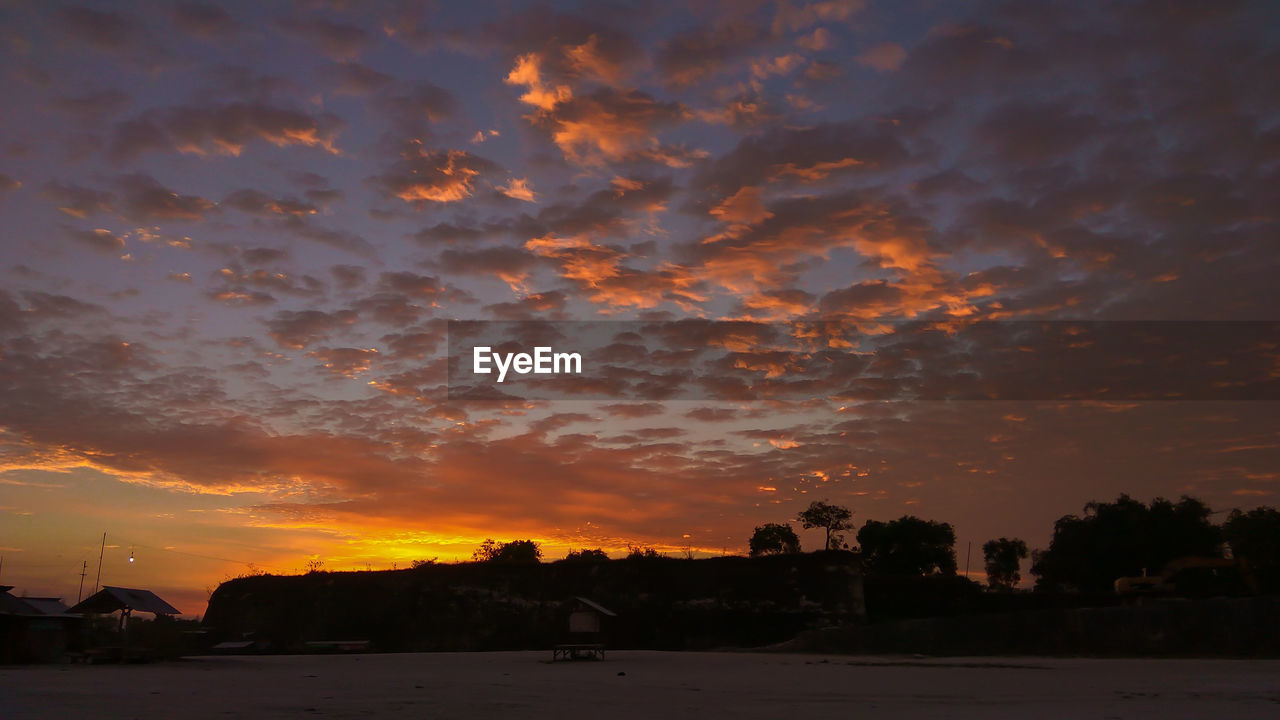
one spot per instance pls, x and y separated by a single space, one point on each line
645 685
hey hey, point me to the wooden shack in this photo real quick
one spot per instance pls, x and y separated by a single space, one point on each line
585 637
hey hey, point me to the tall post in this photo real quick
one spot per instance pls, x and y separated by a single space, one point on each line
967 554
101 550
84 570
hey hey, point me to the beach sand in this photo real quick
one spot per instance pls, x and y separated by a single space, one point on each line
659 685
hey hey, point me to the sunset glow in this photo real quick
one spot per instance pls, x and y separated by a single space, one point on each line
232 237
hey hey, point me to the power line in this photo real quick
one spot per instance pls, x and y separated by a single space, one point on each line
207 557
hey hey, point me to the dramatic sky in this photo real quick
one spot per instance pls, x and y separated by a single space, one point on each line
231 235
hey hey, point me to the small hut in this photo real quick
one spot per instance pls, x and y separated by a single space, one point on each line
110 600
585 636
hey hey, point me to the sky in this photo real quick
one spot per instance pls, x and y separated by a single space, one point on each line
232 237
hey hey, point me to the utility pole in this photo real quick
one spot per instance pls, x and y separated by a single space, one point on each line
967 554
84 570
100 551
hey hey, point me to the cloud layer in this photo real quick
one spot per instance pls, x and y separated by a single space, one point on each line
234 237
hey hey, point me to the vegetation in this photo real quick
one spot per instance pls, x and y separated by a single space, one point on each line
907 571
908 546
1004 561
1087 553
1255 537
635 552
832 518
596 555
516 551
774 539
661 603
1123 539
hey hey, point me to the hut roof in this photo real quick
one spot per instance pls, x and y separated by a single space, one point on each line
10 605
47 605
110 599
595 606
13 605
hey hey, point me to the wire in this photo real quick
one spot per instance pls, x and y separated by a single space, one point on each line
207 557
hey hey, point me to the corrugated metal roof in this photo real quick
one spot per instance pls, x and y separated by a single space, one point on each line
10 605
13 605
110 599
47 605
595 606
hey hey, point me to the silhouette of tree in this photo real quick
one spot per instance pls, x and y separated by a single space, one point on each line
636 552
596 555
832 518
1121 539
774 539
516 551
1004 559
1255 536
487 551
908 546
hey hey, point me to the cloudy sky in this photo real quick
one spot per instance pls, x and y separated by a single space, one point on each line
231 235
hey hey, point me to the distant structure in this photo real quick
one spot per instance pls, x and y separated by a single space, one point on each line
110 600
124 600
34 629
585 632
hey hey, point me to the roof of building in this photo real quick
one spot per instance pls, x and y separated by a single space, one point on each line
13 605
47 605
595 606
10 605
110 599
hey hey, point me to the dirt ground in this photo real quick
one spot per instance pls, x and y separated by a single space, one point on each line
660 685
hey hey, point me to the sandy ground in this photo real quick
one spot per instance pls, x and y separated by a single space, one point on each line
644 685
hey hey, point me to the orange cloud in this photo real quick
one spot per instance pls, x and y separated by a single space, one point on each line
346 362
780 65
778 304
815 172
603 125
742 208
518 189
434 175
540 94
598 270
884 57
590 59
222 129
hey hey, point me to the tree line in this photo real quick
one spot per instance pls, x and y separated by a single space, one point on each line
1088 552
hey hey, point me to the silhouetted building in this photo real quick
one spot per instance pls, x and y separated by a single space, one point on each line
34 629
112 599
114 645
